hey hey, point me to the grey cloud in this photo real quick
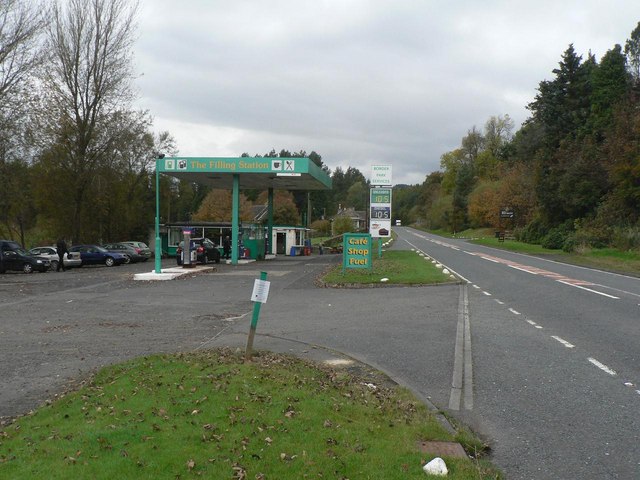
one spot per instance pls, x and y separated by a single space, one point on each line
359 82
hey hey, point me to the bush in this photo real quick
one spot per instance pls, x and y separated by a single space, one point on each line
592 233
626 238
322 228
570 244
534 232
554 239
342 225
557 237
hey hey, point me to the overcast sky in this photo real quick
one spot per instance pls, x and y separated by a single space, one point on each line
393 82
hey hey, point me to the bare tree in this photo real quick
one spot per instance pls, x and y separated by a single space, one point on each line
632 50
21 24
497 131
472 144
88 83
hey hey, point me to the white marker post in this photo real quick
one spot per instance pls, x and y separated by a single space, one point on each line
258 296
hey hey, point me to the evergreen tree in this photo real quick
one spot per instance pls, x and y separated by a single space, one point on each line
610 82
562 105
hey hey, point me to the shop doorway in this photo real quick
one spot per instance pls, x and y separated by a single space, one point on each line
281 243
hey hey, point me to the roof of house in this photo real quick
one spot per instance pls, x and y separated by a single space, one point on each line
352 213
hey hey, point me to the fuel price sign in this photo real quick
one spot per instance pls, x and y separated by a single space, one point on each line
380 213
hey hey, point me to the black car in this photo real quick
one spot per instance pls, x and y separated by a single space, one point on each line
14 257
206 251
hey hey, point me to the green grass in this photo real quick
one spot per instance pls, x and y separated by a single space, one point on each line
607 259
209 415
315 241
603 258
401 267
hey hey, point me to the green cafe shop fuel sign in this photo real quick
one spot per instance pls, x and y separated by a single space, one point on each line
356 249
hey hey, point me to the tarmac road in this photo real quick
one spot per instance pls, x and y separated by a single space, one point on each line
555 361
56 328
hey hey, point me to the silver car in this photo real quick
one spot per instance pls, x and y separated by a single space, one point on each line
71 259
141 248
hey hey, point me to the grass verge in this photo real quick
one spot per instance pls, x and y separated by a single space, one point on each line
608 259
210 415
400 267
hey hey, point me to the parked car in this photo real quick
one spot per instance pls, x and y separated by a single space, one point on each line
14 257
128 250
206 251
142 249
96 255
71 259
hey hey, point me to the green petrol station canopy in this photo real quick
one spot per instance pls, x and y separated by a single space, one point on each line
253 172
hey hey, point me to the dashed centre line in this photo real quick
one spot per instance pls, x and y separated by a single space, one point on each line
602 366
581 284
567 344
563 342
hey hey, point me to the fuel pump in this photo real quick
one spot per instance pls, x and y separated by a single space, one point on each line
186 251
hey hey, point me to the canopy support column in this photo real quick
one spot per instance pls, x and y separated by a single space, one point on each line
158 242
270 220
235 219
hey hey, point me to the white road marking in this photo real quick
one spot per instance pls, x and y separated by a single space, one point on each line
486 293
562 341
229 320
531 322
499 302
602 366
589 290
515 312
552 275
522 269
539 271
491 260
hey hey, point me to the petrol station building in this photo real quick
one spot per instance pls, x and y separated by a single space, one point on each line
236 174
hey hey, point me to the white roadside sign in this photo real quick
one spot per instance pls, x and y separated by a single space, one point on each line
381 175
260 291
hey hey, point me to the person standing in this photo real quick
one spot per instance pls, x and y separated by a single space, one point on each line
226 247
61 246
